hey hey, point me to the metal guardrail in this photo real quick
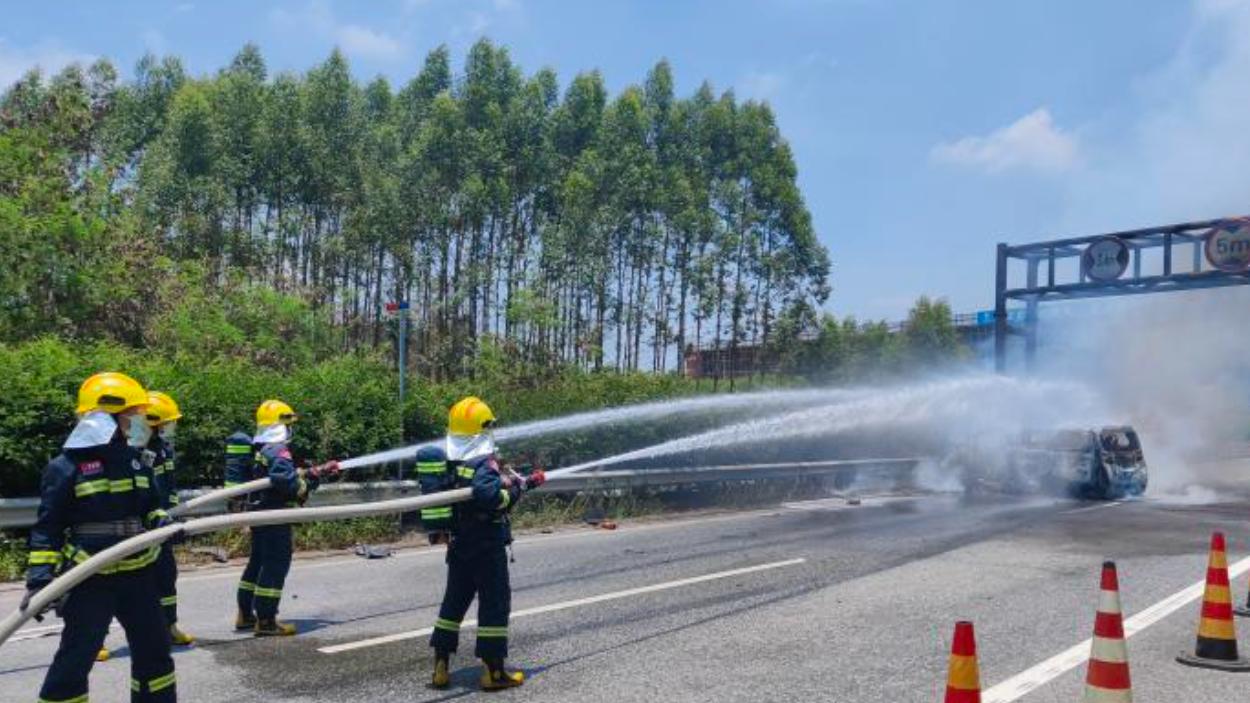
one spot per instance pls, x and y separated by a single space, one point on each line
20 512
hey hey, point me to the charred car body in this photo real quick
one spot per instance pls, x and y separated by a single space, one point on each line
1102 463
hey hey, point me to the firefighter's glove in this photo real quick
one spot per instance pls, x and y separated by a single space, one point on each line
30 593
165 521
536 478
54 605
327 471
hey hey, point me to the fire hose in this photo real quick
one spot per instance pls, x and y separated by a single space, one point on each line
260 484
97 562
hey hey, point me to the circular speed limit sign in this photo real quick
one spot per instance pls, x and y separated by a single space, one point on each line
1228 245
1105 260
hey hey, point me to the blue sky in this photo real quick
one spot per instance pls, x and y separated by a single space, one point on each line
924 131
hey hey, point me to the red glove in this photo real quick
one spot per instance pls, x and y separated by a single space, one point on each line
330 469
535 479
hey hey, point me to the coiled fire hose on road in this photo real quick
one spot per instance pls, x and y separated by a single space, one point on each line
63 583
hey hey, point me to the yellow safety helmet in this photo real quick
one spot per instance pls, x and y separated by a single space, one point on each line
470 416
161 409
111 392
271 412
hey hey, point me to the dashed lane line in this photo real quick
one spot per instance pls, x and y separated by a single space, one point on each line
1017 686
566 605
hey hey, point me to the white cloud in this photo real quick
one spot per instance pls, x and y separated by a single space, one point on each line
362 41
49 55
1183 150
762 85
355 40
1032 142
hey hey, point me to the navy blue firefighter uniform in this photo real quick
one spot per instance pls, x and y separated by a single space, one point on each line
477 561
260 587
160 456
92 498
435 474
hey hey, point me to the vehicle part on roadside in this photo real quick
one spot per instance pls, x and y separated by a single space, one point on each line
370 551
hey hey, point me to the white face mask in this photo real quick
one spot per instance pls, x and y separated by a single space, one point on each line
139 432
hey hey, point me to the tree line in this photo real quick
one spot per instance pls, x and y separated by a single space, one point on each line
565 227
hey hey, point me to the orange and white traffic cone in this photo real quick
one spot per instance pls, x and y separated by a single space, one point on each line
963 683
1217 636
1107 680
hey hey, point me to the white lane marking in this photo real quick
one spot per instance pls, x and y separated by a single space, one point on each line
844 502
553 607
1100 506
225 572
34 633
1030 679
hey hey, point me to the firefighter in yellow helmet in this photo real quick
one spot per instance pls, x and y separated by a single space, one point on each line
477 563
96 493
162 416
268 455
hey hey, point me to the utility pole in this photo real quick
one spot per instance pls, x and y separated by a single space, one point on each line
401 309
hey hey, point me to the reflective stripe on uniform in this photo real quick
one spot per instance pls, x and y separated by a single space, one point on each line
169 600
444 511
86 488
75 699
449 625
504 499
492 632
431 467
238 449
174 499
135 685
104 485
247 586
465 472
43 557
157 515
262 592
160 683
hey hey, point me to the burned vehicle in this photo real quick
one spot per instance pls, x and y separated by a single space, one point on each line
1101 463
1104 463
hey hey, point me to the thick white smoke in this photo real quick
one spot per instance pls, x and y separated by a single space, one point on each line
1173 365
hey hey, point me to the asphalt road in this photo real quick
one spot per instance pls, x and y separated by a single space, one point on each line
810 601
